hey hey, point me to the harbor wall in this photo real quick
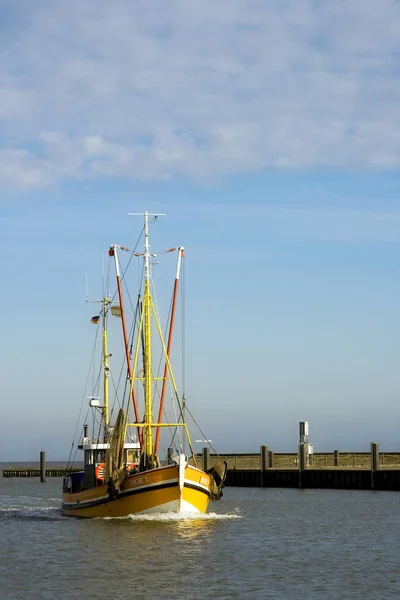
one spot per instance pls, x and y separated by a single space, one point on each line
348 479
321 460
337 470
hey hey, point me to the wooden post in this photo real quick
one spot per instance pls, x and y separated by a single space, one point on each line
42 466
336 458
263 463
374 463
270 460
302 463
206 459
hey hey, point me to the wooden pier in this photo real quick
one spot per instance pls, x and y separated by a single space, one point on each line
335 478
36 472
336 470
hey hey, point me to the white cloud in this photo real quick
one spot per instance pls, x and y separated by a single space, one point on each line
153 88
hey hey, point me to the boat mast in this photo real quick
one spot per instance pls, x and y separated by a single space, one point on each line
148 375
106 366
148 380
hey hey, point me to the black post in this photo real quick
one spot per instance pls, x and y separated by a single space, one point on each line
42 466
336 458
374 463
206 459
270 459
302 463
263 463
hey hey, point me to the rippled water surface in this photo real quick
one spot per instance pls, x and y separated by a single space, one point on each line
254 543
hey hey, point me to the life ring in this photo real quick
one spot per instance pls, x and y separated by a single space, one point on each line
100 471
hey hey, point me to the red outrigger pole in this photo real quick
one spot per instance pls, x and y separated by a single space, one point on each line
169 343
113 252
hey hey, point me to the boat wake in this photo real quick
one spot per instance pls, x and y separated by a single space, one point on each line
53 513
171 516
22 513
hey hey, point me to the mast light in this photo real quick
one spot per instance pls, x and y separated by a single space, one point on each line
94 402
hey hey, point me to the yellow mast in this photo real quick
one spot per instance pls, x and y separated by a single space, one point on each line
148 379
149 449
106 367
148 375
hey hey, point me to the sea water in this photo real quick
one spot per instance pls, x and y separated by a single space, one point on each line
255 543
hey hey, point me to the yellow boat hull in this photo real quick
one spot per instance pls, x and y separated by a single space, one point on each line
155 491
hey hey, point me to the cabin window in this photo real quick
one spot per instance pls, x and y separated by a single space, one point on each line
89 457
132 456
100 457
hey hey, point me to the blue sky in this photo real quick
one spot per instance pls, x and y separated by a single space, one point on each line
268 132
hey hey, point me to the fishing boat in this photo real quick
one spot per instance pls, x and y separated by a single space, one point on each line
124 471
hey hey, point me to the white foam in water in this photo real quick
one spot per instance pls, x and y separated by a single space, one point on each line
171 516
18 511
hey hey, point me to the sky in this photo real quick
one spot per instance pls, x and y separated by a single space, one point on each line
268 132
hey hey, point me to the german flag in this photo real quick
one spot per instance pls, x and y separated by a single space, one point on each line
95 320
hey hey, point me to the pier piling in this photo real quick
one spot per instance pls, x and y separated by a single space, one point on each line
302 463
42 466
270 459
336 458
206 459
374 463
263 463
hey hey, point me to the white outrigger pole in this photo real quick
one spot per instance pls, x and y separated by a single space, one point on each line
169 344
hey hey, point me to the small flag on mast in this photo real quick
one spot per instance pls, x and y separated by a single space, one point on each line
95 320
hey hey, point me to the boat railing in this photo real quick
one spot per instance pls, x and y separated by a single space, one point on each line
90 440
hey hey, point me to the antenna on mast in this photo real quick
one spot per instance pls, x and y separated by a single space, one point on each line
146 216
103 287
87 288
87 294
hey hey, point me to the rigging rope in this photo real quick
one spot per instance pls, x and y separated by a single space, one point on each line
90 372
202 432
